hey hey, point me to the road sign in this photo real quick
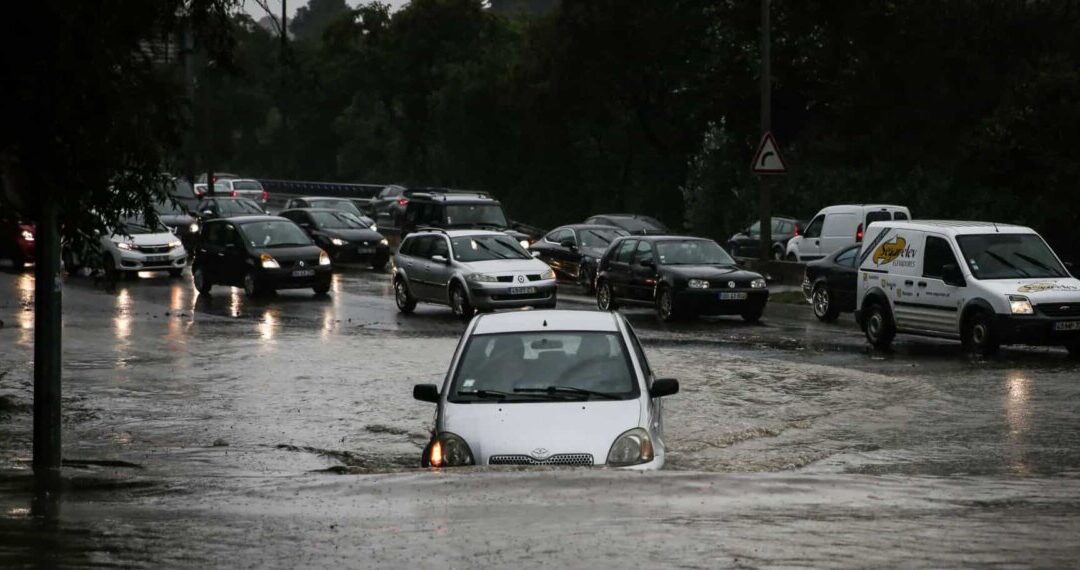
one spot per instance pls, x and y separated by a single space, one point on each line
767 159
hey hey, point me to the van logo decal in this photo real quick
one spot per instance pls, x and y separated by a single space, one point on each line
889 251
1046 286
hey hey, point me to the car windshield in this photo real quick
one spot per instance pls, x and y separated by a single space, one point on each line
136 225
475 214
599 238
339 205
486 248
168 208
637 225
339 221
238 207
274 233
544 366
1009 256
247 185
692 252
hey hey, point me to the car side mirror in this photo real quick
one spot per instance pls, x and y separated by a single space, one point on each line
440 259
428 393
664 387
951 275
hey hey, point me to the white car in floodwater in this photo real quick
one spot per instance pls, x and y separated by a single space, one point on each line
548 387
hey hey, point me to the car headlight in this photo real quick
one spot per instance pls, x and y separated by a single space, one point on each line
448 450
28 235
324 258
384 242
698 284
338 242
124 245
194 228
374 227
482 278
549 274
758 283
524 243
268 261
1019 305
631 448
175 244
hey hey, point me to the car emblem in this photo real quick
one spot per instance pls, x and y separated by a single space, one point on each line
731 284
521 278
539 453
300 264
1063 308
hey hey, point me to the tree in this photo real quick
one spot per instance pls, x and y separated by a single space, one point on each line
311 21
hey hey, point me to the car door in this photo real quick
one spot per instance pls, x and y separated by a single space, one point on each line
810 244
642 281
619 268
942 301
211 252
416 266
553 253
439 272
837 232
234 262
843 276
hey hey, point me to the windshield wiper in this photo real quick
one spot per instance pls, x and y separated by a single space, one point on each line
1006 262
571 390
493 252
1038 263
485 394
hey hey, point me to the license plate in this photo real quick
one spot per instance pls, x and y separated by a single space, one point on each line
157 258
522 290
736 296
303 273
365 250
1067 326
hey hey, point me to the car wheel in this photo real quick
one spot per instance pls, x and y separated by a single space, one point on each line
753 315
109 265
405 302
792 257
459 302
605 297
585 280
778 254
70 265
379 264
252 288
977 334
665 305
322 288
174 273
821 299
880 328
202 283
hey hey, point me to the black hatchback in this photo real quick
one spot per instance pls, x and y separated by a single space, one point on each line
680 276
345 236
261 254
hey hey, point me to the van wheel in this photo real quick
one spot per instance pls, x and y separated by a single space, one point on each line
880 328
405 302
977 334
459 302
792 257
605 297
202 284
824 307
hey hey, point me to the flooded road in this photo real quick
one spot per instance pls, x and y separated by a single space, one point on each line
223 432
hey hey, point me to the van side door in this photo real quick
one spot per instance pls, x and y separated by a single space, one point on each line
941 300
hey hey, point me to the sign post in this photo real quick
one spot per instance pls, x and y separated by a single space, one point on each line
767 159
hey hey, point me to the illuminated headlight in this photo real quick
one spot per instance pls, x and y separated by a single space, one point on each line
174 244
124 245
324 258
482 278
549 274
524 243
758 284
374 227
631 448
448 450
698 284
268 262
194 228
338 242
384 242
27 235
1020 305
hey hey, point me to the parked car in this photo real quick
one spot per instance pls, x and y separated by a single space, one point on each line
747 242
829 284
261 254
469 270
245 188
134 245
632 223
560 388
179 221
213 208
573 251
344 236
388 206
346 205
680 276
837 227
982 283
459 209
17 240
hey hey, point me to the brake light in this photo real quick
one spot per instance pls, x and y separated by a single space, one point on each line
266 196
797 230
234 194
859 234
402 201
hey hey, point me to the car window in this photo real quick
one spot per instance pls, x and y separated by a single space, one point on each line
558 235
783 229
599 238
274 233
439 247
422 246
899 216
626 249
487 248
872 217
643 252
814 229
938 255
777 226
839 225
848 257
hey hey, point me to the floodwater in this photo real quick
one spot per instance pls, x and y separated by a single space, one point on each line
222 432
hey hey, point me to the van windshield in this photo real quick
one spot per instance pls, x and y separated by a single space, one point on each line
1009 256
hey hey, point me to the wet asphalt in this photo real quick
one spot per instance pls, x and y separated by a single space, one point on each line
218 431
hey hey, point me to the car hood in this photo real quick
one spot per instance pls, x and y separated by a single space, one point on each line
162 238
307 253
497 266
541 429
1038 290
356 235
711 272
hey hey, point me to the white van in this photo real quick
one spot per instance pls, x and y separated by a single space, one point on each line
983 283
837 227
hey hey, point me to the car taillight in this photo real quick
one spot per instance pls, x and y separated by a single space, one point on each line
797 230
266 196
234 194
402 201
859 234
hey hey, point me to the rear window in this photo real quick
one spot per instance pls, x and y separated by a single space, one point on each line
247 185
900 216
872 217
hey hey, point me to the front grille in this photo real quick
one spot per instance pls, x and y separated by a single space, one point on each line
537 295
505 278
569 459
1059 309
534 277
153 248
308 264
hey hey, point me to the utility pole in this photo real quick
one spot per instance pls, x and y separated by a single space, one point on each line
765 196
47 333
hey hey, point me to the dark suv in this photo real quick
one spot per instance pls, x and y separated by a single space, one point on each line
454 209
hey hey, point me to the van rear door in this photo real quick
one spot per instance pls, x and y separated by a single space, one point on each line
837 233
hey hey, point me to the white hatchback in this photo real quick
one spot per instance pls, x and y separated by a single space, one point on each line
549 387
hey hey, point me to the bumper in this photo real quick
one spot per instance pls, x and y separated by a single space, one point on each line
498 295
360 253
135 261
284 278
1035 330
708 302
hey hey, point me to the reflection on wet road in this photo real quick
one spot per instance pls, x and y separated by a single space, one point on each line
229 409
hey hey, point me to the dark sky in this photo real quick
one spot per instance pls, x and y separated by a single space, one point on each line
256 12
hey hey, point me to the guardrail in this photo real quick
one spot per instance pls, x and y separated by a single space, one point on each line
312 188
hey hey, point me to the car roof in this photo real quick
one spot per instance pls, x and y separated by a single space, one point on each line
321 198
249 219
587 227
664 237
955 227
546 320
455 198
863 206
456 233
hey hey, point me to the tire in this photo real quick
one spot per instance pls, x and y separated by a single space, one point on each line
202 284
71 266
379 263
176 273
459 303
405 301
822 302
605 297
792 257
778 254
252 288
112 275
665 306
753 315
880 328
977 334
585 280
321 288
